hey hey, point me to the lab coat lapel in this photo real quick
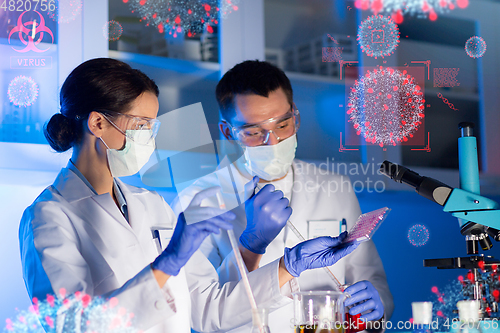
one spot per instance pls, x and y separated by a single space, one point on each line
301 203
74 190
135 207
110 237
106 202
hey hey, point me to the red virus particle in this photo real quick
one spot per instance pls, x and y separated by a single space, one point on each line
378 36
386 106
475 47
418 8
181 16
496 294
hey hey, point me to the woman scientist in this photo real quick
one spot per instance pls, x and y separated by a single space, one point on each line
92 233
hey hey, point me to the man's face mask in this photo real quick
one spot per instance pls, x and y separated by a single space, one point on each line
269 162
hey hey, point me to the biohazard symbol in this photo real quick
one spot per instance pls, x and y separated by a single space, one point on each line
24 30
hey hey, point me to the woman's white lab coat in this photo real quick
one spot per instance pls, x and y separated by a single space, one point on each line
72 238
319 198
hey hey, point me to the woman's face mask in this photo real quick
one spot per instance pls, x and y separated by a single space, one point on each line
130 159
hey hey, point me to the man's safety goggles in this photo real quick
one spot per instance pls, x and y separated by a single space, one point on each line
282 128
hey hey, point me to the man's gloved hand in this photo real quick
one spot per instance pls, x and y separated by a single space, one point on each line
364 292
316 253
267 213
187 238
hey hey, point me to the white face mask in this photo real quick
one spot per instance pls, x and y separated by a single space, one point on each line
133 156
270 162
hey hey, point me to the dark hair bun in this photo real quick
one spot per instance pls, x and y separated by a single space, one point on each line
61 132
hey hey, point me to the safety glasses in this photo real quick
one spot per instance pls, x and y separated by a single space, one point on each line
125 123
281 127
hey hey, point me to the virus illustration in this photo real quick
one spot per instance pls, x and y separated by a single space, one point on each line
418 235
76 313
386 106
182 16
445 304
418 8
22 91
465 287
66 10
475 47
378 36
112 30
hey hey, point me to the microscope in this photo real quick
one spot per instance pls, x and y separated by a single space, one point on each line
479 220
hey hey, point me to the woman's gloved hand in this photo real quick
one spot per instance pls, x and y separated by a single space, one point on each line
364 292
267 213
316 253
187 238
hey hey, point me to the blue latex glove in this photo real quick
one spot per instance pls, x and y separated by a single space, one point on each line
364 292
316 253
267 213
187 238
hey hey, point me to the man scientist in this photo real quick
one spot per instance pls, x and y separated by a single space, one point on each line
257 111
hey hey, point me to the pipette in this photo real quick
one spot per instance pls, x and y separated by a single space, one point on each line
327 270
241 267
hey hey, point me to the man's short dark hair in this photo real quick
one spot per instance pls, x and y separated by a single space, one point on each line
250 77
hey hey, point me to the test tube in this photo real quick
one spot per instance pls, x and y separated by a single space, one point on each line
241 267
327 269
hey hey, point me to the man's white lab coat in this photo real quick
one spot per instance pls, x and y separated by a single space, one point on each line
72 238
317 195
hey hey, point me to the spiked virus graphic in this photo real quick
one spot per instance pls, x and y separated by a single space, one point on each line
445 303
418 8
475 47
66 10
386 106
22 91
418 235
112 30
76 313
182 16
378 36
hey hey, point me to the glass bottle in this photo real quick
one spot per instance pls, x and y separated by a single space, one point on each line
422 317
260 321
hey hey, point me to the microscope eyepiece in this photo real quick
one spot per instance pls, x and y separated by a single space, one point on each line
427 187
466 128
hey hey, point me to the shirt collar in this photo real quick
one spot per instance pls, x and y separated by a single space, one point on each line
118 192
120 198
73 168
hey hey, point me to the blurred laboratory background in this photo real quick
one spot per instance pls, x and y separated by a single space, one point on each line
295 35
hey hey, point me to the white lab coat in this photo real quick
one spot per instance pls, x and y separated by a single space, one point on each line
313 199
74 239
